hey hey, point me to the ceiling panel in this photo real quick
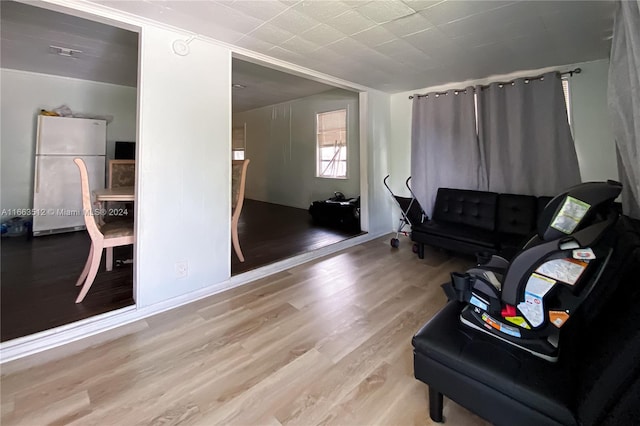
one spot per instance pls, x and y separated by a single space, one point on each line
351 22
322 35
385 11
262 10
265 86
446 38
449 11
374 36
407 25
107 54
321 10
271 34
295 22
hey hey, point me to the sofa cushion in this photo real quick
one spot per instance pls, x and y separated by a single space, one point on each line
473 208
516 214
464 233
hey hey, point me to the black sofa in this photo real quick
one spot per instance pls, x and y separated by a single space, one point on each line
468 222
596 380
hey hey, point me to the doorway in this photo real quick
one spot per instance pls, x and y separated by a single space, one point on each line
275 126
71 68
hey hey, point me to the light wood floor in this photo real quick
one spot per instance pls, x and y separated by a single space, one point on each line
328 342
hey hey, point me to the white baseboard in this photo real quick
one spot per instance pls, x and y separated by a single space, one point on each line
49 339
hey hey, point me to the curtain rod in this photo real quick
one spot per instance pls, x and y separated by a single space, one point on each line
569 73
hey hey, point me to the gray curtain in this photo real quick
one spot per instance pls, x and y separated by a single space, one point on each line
444 145
624 100
525 137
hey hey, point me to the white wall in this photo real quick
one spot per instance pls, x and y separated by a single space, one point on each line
184 158
280 142
376 131
23 94
595 143
591 128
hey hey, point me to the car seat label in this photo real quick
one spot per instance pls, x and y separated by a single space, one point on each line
519 321
558 318
477 302
570 215
532 308
511 331
566 270
539 285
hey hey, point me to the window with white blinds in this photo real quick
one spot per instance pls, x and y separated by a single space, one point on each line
331 144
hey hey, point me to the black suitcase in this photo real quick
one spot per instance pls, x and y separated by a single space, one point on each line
337 212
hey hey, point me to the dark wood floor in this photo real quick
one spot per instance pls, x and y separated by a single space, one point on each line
38 283
37 291
272 232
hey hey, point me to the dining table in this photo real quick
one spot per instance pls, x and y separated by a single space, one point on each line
118 194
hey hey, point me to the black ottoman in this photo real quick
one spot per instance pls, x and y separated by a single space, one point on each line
496 381
596 380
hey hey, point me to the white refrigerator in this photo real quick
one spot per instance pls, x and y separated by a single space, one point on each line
57 196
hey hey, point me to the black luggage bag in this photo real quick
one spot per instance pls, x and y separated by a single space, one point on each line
337 212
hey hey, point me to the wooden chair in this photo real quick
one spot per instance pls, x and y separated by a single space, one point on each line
107 236
238 178
121 173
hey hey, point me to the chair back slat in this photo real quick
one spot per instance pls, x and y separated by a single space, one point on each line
238 182
87 207
121 173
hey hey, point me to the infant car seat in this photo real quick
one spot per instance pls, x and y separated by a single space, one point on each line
525 302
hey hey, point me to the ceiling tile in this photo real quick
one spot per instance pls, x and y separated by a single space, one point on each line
385 10
271 34
263 10
254 44
266 86
445 41
408 25
299 45
533 44
353 4
398 49
430 39
322 35
559 21
421 62
584 9
476 35
512 12
321 10
351 22
294 22
347 46
374 36
284 54
200 13
418 5
449 11
325 54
